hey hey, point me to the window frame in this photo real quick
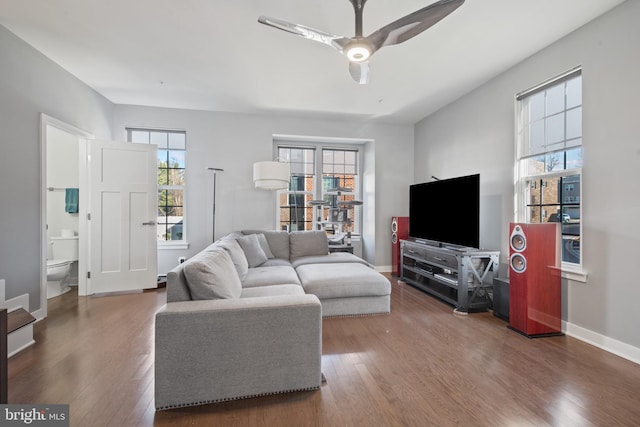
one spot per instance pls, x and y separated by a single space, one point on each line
356 194
522 176
164 243
318 178
296 193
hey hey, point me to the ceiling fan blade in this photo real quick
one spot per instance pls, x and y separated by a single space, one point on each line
359 71
413 24
337 42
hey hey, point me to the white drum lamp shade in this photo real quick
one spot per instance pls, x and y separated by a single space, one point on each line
271 175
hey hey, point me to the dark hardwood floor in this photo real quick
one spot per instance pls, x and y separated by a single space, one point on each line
421 365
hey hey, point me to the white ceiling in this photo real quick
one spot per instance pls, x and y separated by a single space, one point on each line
214 55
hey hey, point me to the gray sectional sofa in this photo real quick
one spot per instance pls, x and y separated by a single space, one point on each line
244 316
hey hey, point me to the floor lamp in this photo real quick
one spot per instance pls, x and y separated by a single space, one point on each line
213 225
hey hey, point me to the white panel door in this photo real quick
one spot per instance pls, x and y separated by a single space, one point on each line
123 213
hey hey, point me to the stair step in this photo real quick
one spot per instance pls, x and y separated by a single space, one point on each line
18 319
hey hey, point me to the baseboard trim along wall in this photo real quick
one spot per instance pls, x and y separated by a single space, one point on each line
22 338
603 342
383 268
19 340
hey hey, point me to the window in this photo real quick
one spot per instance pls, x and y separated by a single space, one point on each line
295 211
171 179
549 159
340 183
338 169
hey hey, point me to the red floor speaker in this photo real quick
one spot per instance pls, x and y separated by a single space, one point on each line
399 231
534 280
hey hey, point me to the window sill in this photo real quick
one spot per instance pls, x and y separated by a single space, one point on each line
573 274
172 246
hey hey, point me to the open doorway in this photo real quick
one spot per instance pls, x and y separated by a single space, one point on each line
63 237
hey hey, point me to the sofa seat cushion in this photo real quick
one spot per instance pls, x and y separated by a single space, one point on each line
212 275
342 280
277 275
332 258
272 291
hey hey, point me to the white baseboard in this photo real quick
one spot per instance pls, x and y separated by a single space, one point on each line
19 340
22 338
383 268
603 342
39 314
611 345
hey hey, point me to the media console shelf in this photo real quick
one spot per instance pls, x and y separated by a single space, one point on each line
460 276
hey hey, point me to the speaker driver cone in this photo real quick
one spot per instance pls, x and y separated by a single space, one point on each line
517 242
518 263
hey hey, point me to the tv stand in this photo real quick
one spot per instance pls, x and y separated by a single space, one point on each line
461 276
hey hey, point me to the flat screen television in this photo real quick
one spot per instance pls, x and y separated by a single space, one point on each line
446 211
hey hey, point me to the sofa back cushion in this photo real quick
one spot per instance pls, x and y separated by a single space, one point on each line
264 245
307 243
237 255
278 241
212 275
252 250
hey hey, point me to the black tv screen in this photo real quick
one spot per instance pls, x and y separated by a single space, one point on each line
446 211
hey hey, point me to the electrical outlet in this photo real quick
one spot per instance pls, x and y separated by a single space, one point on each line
181 259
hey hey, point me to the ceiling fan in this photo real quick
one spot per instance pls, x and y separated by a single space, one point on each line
358 49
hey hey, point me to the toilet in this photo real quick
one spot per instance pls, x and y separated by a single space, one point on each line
64 251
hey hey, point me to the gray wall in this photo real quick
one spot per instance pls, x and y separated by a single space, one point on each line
476 134
31 84
234 142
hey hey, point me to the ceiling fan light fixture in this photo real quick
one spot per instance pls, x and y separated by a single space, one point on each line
359 49
358 52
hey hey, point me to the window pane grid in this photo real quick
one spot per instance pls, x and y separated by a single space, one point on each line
557 200
549 151
171 178
339 175
295 213
337 168
550 120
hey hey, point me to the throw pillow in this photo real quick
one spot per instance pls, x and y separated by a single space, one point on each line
237 256
278 241
307 243
211 275
262 240
252 250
